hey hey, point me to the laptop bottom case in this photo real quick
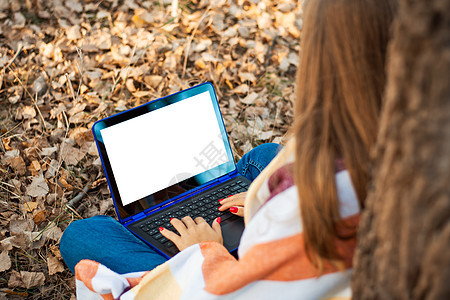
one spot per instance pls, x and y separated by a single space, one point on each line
205 204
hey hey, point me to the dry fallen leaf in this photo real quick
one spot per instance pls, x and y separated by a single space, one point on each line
28 112
5 261
26 279
15 280
242 89
71 155
32 279
53 233
30 206
17 227
38 187
13 159
40 217
54 265
250 98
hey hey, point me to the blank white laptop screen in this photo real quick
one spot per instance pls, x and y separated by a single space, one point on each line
160 148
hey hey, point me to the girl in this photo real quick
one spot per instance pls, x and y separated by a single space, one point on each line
302 211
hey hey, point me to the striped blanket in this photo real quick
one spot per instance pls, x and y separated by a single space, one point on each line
272 261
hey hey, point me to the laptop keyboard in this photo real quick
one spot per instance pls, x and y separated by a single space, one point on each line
205 206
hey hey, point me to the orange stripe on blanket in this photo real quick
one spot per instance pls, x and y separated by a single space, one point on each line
85 271
281 260
107 296
135 281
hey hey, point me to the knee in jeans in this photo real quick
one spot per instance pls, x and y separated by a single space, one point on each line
69 235
76 232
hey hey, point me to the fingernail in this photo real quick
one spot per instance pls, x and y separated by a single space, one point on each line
233 209
161 229
170 219
218 220
230 196
220 207
220 200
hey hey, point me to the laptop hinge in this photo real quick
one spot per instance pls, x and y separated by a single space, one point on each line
137 217
224 178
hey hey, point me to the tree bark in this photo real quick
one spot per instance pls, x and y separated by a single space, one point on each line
404 236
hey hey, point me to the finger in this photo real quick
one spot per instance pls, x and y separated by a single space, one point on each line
237 210
238 199
169 235
235 201
188 221
199 220
178 225
216 226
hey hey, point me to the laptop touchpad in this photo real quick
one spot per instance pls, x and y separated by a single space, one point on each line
232 232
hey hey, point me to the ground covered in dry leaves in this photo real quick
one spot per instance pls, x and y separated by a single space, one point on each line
66 64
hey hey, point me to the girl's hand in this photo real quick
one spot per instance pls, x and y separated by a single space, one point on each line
193 232
235 203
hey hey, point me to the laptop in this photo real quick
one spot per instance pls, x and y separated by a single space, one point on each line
170 158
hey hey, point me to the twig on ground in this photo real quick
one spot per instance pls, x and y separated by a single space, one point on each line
19 49
69 83
274 124
191 38
11 129
60 151
80 67
7 190
79 196
74 211
269 52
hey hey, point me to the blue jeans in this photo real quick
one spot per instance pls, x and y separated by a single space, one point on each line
105 240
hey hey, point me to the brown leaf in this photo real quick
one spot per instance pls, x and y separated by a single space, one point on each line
153 80
48 151
28 112
17 227
38 187
246 76
34 167
26 279
17 241
15 280
98 182
40 217
5 261
250 98
53 233
54 265
130 85
55 251
6 140
76 113
13 159
71 155
242 89
30 206
81 135
141 94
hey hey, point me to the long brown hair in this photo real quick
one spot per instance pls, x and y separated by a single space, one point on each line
339 88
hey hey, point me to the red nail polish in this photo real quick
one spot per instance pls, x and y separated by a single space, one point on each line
220 207
230 196
170 219
220 200
233 209
219 220
161 229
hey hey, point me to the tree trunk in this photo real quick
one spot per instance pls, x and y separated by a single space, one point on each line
404 236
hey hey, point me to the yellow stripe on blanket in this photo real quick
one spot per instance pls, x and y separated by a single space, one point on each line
151 284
